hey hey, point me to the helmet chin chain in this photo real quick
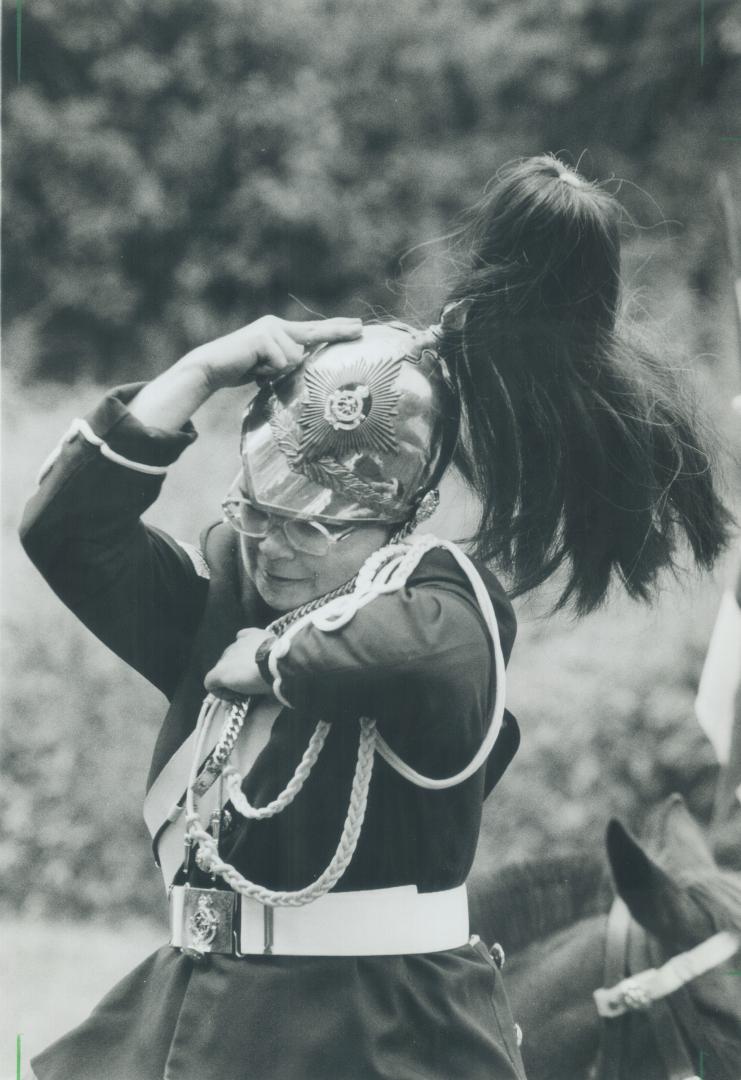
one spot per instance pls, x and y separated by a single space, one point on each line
386 570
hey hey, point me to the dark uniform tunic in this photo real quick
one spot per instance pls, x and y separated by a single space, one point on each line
419 661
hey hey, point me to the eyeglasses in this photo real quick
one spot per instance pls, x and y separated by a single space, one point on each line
303 534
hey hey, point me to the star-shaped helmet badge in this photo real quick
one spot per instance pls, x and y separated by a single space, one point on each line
350 407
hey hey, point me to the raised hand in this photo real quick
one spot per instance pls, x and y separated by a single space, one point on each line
267 346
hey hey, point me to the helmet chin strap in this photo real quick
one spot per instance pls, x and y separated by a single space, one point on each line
426 507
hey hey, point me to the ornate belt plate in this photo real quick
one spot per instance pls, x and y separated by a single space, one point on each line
206 921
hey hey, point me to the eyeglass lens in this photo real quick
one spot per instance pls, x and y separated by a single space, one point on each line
302 535
306 537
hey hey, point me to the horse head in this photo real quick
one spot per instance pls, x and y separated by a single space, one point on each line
551 916
684 912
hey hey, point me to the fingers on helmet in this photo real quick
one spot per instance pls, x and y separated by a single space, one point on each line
315 333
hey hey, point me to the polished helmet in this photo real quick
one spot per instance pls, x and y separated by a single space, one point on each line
361 431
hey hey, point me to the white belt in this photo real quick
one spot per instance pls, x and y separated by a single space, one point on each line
375 922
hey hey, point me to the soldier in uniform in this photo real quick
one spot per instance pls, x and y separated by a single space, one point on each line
315 818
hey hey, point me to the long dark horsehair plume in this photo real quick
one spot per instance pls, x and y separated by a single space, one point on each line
582 446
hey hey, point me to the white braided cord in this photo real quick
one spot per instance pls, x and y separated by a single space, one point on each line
386 571
495 724
240 802
208 857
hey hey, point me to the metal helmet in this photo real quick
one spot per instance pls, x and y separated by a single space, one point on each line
360 432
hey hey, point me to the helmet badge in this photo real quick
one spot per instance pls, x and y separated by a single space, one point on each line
345 408
348 408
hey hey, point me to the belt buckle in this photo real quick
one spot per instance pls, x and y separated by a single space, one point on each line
208 922
268 932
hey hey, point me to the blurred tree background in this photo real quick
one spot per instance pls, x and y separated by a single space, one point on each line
178 167
174 168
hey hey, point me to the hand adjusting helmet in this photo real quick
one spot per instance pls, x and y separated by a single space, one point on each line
360 433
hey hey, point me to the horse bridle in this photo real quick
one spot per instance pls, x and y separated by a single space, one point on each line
633 984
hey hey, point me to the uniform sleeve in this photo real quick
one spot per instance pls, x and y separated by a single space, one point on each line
424 648
133 586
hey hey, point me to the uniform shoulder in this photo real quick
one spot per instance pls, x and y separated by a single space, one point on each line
439 567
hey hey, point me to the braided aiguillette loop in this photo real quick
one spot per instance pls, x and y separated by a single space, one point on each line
387 570
209 859
238 799
208 855
384 572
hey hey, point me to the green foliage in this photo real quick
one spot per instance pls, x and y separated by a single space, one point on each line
175 169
